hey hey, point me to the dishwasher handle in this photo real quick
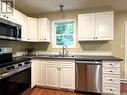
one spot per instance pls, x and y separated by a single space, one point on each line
90 62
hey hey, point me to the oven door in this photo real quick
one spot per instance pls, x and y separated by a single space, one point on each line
16 84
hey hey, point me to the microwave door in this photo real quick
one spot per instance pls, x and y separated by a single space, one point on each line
7 31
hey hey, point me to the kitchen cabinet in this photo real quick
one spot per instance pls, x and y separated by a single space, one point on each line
32 29
67 78
52 74
33 73
21 19
111 77
60 73
7 16
40 72
96 26
43 30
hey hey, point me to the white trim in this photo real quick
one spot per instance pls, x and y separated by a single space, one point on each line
53 34
125 50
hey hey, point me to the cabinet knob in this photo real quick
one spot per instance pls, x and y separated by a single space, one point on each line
96 37
7 16
4 15
110 79
93 37
110 89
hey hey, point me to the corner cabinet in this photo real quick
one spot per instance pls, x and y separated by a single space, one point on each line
32 29
43 30
111 78
38 72
96 26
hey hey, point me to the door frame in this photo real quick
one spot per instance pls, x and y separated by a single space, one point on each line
125 50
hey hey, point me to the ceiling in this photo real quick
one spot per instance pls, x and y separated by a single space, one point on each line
45 6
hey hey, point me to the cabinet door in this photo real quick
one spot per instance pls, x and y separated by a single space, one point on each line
52 76
23 21
43 30
104 26
33 73
86 27
67 77
32 29
40 72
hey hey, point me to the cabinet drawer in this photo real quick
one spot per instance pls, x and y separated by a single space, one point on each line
67 62
113 79
111 70
111 65
52 62
111 89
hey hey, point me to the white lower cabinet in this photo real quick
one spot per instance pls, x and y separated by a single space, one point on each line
60 75
52 76
111 78
67 79
33 73
53 73
40 72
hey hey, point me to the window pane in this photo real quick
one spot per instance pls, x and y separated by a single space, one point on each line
64 28
59 40
64 40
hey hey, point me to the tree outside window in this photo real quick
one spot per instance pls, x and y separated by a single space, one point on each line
64 33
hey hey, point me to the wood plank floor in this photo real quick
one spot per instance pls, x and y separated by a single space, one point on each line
42 91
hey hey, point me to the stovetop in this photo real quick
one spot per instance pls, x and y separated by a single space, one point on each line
13 61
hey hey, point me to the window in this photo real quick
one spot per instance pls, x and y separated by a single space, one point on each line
64 33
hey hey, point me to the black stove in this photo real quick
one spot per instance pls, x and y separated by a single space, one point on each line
15 73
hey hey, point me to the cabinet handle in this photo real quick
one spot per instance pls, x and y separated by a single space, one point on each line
96 38
59 69
110 71
110 89
93 37
4 15
110 79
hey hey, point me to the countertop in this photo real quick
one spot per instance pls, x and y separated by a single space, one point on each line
76 57
70 57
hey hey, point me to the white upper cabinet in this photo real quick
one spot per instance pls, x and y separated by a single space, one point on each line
86 26
43 30
96 26
32 29
104 26
21 19
4 15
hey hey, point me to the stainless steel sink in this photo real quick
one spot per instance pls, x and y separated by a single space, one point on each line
62 56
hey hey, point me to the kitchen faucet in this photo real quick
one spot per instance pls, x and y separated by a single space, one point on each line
64 48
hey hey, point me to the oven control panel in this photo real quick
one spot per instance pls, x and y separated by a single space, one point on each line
15 68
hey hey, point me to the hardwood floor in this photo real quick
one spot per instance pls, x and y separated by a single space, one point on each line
42 91
123 88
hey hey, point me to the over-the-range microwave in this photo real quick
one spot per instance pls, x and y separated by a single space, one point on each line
9 30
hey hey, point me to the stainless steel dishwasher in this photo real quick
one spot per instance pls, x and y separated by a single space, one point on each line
89 76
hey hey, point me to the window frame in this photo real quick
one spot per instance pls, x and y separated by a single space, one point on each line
54 33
